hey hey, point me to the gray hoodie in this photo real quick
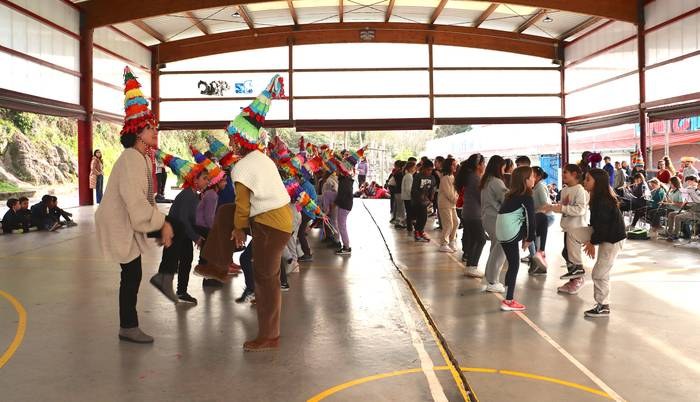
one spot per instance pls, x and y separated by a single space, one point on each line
492 196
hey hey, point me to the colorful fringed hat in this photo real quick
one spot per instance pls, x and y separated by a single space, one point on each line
214 171
186 171
355 157
637 159
302 199
246 127
198 156
222 153
136 112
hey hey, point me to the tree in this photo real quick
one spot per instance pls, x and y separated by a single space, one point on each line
446 131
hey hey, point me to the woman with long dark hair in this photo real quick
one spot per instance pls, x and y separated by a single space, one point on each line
607 231
97 174
493 191
473 236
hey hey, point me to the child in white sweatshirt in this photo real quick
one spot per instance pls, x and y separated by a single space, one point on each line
573 209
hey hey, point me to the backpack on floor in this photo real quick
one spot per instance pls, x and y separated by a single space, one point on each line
638 234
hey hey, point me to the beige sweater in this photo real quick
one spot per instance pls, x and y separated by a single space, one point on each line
127 212
447 194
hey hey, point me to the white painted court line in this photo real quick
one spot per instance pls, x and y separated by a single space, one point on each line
588 373
426 363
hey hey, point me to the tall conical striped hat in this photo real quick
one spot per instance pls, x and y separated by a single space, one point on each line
136 112
184 169
246 127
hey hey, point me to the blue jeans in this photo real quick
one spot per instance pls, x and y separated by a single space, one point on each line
98 188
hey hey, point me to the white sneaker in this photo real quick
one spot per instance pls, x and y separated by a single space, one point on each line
293 267
473 272
445 249
453 246
495 288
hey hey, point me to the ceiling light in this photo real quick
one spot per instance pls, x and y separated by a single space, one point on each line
548 19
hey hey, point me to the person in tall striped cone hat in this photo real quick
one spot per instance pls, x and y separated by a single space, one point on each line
262 209
128 215
182 215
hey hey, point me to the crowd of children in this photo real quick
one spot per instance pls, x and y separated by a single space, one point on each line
45 215
509 203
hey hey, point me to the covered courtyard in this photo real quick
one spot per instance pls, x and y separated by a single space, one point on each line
397 321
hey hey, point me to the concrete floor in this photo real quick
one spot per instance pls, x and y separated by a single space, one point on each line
350 327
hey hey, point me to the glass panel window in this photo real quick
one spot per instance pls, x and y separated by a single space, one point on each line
497 107
494 82
362 83
612 95
454 56
212 85
223 110
360 55
361 108
674 79
257 59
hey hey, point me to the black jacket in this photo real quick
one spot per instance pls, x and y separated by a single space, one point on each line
39 212
607 223
344 197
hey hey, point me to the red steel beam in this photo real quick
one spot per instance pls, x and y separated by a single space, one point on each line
485 15
85 125
438 11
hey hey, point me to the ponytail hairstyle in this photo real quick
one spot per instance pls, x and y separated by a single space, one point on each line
493 169
602 192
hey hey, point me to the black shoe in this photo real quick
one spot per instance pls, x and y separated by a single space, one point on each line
284 287
186 298
306 258
212 283
576 272
600 310
343 251
247 296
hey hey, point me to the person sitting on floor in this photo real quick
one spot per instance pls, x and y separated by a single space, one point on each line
24 213
12 220
41 214
59 213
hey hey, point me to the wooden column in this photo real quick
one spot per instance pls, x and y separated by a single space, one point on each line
564 130
431 92
155 99
641 53
85 124
290 84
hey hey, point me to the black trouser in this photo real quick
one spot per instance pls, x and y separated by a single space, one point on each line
204 232
421 214
178 258
162 178
512 252
301 235
410 218
128 293
541 228
650 212
473 241
283 271
247 267
361 178
393 195
565 252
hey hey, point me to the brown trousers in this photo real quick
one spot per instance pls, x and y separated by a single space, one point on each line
268 244
219 247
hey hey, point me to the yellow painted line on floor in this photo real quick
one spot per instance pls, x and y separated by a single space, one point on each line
609 392
21 328
445 357
338 388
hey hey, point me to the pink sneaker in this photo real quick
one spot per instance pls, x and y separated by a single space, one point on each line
572 287
511 305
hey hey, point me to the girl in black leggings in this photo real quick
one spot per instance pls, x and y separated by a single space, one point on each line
515 222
